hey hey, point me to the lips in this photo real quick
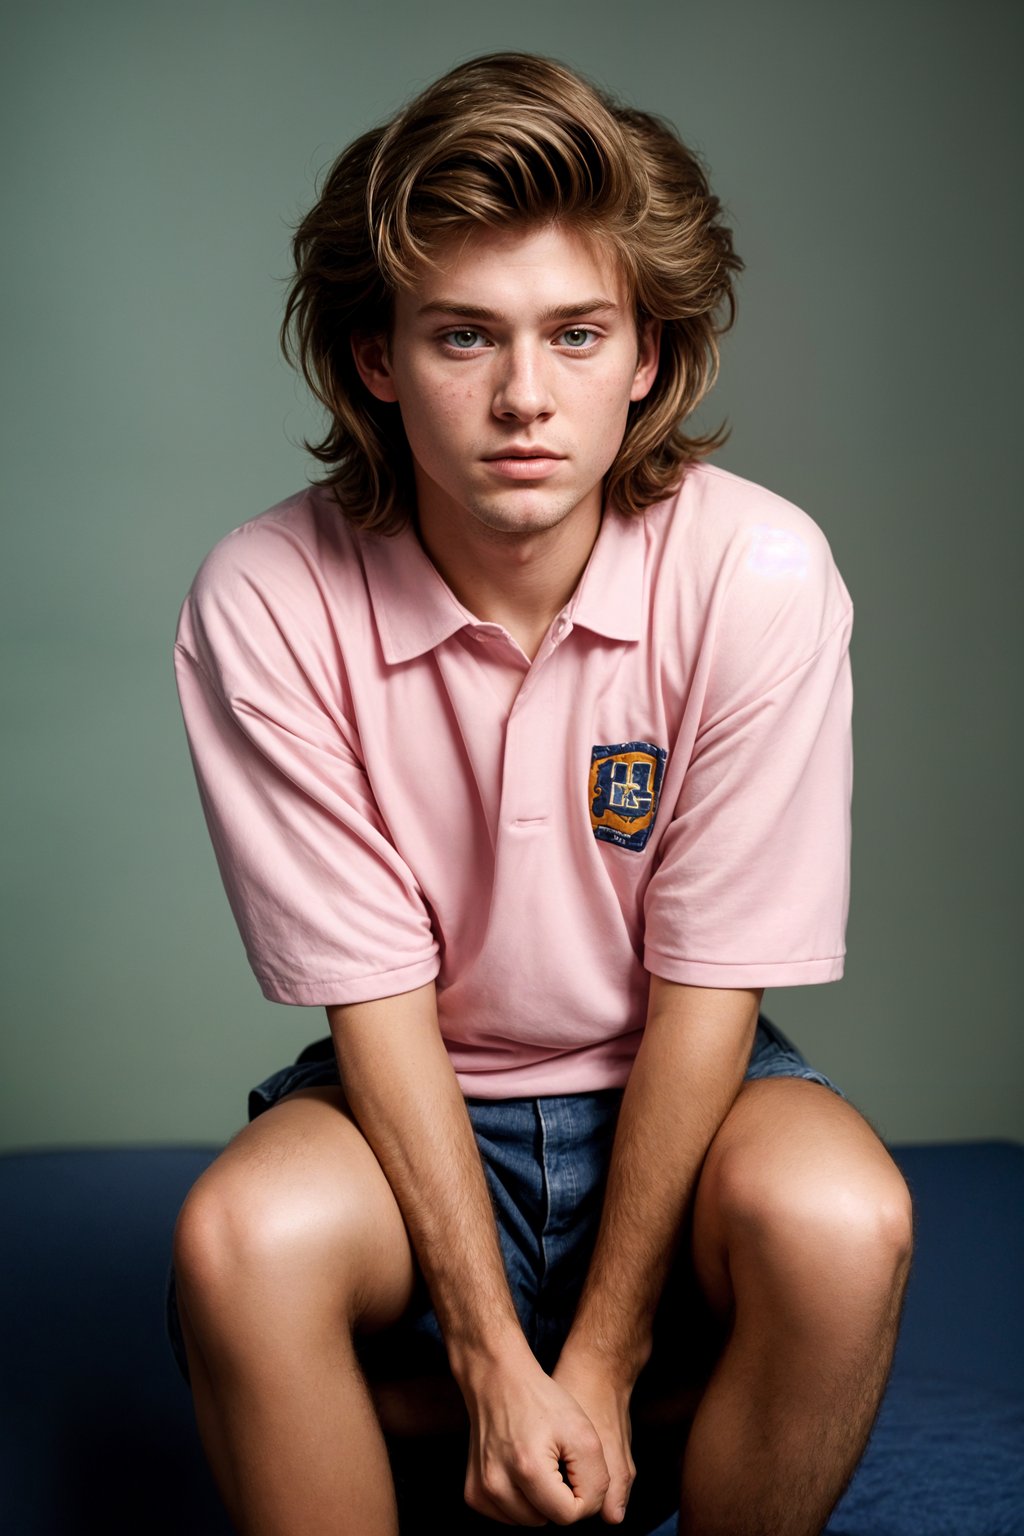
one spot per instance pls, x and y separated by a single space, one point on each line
518 466
523 453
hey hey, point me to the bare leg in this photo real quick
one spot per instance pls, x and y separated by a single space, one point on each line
802 1235
286 1243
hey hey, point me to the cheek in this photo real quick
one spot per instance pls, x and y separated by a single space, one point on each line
444 403
455 403
430 409
439 429
608 407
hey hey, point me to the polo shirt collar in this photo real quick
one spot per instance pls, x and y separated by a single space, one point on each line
413 606
415 609
609 598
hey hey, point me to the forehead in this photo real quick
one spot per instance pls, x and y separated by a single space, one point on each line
529 269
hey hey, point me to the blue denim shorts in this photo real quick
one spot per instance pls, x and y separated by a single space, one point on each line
545 1161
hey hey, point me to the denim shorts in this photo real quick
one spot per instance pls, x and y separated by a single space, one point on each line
545 1161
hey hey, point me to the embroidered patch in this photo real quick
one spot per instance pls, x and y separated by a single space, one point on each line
625 782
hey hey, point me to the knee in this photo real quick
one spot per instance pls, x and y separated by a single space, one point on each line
236 1235
221 1232
847 1215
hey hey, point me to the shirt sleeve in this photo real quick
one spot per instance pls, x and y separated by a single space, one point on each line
327 909
753 884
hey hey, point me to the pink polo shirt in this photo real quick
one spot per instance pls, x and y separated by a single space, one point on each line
397 795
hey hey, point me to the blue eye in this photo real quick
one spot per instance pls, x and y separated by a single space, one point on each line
465 339
465 332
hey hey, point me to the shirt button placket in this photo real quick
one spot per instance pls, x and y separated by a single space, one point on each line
530 767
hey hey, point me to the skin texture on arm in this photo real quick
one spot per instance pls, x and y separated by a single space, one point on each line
404 1094
687 1073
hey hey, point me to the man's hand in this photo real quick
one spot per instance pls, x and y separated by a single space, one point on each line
526 1430
606 1404
685 1078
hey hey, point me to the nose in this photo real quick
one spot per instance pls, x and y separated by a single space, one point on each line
522 389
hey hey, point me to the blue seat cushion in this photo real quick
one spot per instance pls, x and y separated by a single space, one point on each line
946 1459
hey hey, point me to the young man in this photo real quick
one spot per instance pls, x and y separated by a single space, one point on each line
523 741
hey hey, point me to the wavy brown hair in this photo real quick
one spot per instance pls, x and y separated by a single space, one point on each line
508 139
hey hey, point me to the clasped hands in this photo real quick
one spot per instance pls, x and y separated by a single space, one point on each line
547 1448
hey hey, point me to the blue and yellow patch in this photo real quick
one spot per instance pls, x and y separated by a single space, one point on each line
625 782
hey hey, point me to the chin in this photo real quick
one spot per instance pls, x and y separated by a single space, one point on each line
524 517
526 523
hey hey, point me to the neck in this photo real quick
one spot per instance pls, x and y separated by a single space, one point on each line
520 580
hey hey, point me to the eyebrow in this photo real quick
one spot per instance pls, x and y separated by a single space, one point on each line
556 312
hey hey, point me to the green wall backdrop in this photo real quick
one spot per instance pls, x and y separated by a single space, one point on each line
869 154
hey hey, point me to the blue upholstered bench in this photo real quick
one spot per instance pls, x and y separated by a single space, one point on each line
98 1433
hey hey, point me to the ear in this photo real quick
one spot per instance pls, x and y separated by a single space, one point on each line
648 358
370 355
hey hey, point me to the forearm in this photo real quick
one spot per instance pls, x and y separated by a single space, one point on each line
404 1094
524 1428
686 1075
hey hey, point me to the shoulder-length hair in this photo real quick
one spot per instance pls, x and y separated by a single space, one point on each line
502 140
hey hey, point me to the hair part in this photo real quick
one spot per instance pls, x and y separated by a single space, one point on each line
508 140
